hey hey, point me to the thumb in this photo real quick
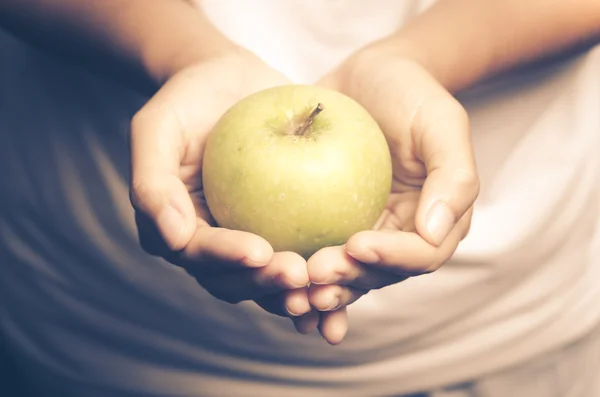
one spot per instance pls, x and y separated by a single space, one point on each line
161 200
443 143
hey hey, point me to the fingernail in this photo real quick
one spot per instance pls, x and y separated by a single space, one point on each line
366 256
297 306
439 221
171 224
335 303
293 313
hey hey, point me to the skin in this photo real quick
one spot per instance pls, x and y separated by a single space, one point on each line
433 165
166 44
168 138
301 182
139 44
417 71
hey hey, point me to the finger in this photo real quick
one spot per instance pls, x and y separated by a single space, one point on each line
443 142
307 323
285 271
333 265
217 250
326 298
290 303
333 326
156 191
404 253
296 302
149 236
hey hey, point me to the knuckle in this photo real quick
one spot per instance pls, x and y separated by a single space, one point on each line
467 180
143 194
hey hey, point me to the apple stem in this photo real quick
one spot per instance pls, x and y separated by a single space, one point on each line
303 128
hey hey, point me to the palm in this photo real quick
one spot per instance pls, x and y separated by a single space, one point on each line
409 174
197 98
400 210
433 168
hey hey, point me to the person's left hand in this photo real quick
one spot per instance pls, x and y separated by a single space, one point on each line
435 184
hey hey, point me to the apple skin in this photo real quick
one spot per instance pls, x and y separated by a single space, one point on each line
300 193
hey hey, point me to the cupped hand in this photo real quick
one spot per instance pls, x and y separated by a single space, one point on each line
168 136
435 184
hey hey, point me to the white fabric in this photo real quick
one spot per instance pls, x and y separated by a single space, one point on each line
91 314
571 371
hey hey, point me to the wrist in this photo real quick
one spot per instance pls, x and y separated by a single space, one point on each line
404 51
162 62
192 40
364 65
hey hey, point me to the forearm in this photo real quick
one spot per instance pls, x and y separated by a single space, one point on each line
140 42
463 41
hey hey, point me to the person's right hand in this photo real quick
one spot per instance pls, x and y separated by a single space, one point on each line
168 136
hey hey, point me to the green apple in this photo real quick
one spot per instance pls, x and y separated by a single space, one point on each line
302 166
